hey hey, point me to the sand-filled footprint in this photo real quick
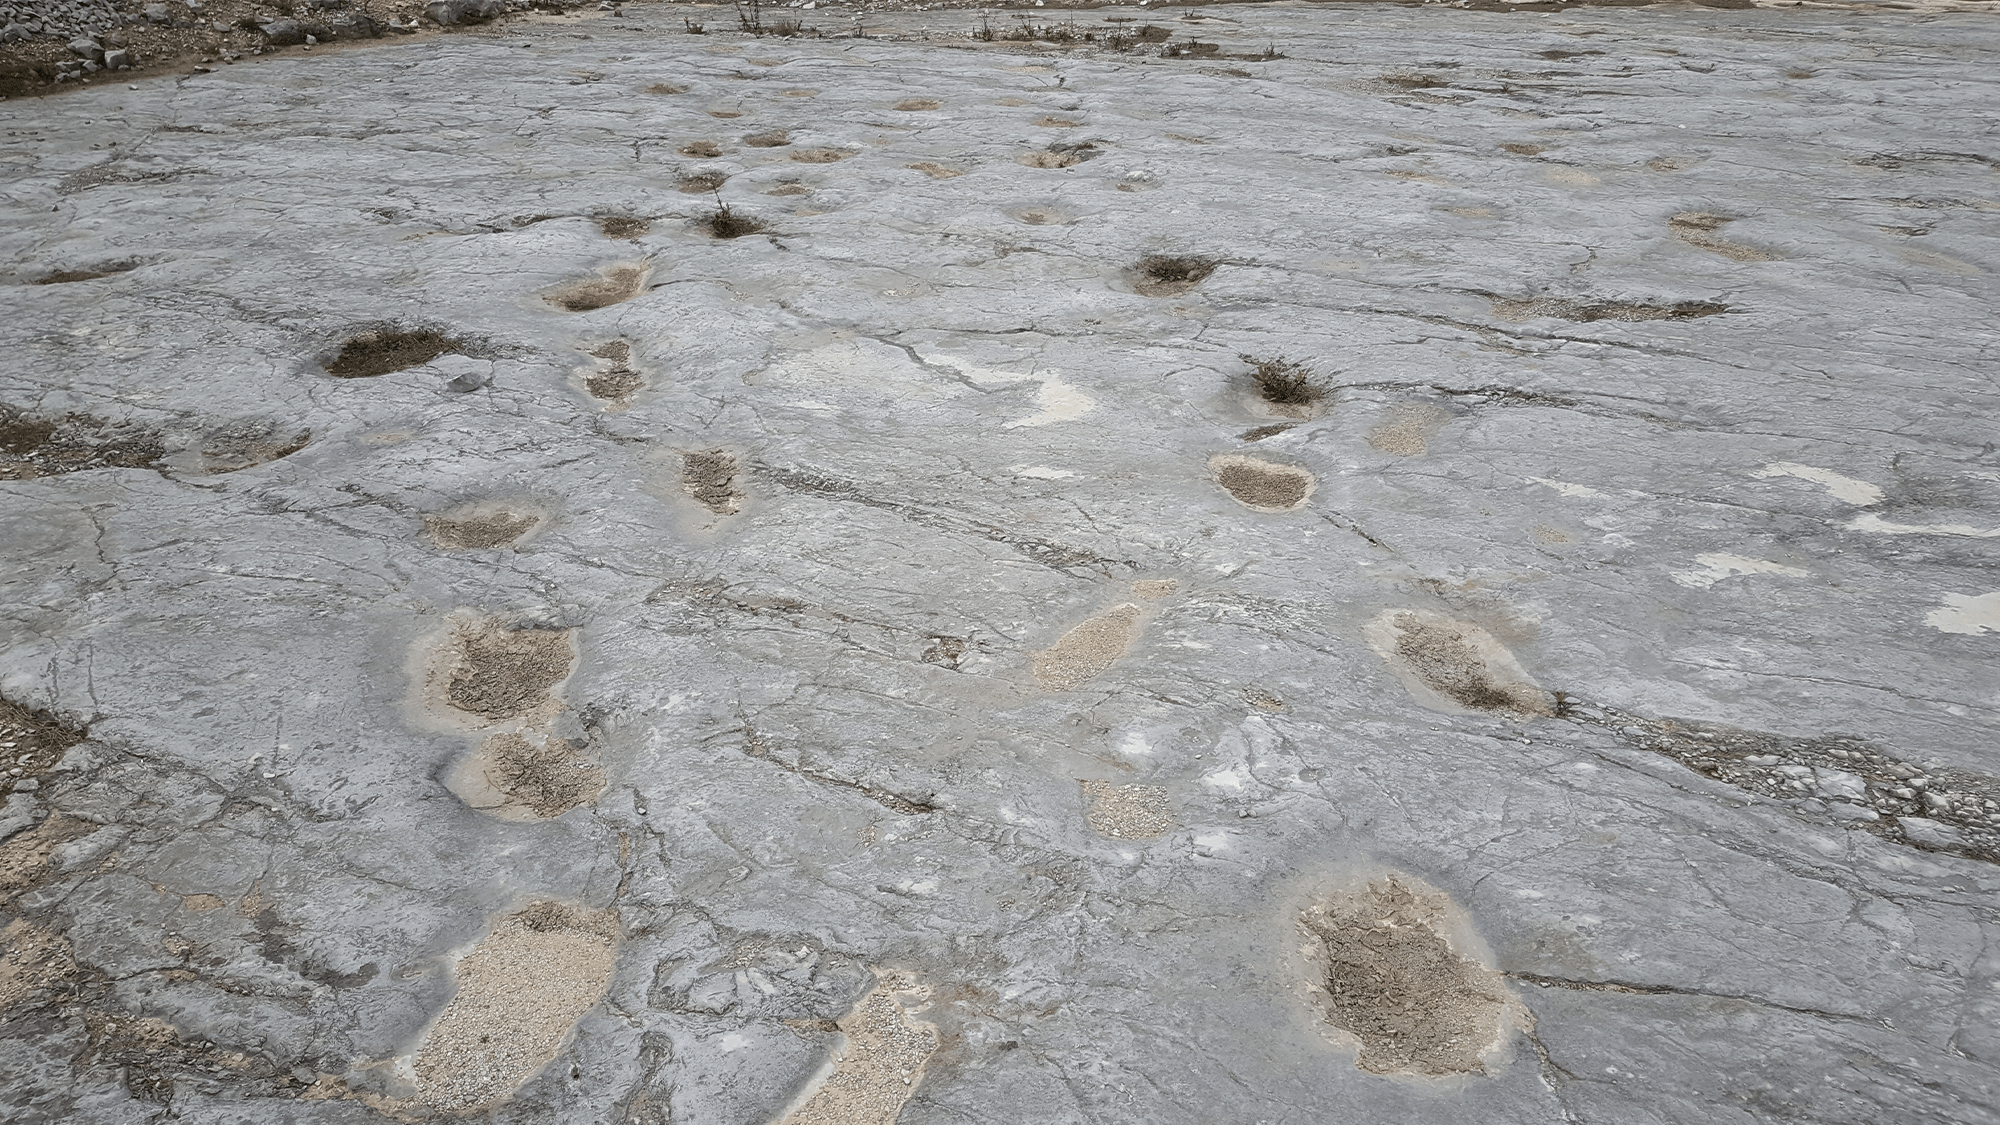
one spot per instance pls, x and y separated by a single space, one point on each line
1453 664
613 285
1265 486
520 991
479 525
493 670
1391 982
1085 652
1127 812
881 1065
527 775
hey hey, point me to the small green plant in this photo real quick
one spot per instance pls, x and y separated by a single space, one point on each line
1284 382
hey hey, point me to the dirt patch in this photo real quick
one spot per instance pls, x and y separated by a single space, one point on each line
1259 433
1525 149
1459 663
1127 812
64 277
500 672
529 776
31 959
703 183
820 155
1604 310
612 286
790 189
1390 978
776 138
1162 275
703 150
1154 589
618 383
710 477
520 991
1265 486
32 447
1086 651
1061 156
1056 123
24 858
1407 432
915 105
31 743
1698 229
245 445
666 88
1672 163
935 171
478 529
623 226
881 1065
382 350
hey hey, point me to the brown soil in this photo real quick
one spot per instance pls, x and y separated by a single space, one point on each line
1056 123
1086 651
1604 310
1525 150
702 183
790 189
501 672
31 959
914 105
935 171
1154 589
32 447
249 444
1698 229
520 991
491 529
1127 812
710 477
1259 433
380 351
619 382
615 285
704 150
546 778
24 857
1160 275
1449 664
881 1066
666 88
820 155
623 226
776 138
1263 485
1392 980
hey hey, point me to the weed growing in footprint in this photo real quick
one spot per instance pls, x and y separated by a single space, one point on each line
725 223
1282 382
1164 275
383 350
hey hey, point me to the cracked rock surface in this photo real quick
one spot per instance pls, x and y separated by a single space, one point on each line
737 632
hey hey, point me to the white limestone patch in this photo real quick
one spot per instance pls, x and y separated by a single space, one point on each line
1573 491
1857 492
1058 400
1716 566
1970 614
1876 525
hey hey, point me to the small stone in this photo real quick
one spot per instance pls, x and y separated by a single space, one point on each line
119 59
27 785
283 33
86 47
157 13
312 40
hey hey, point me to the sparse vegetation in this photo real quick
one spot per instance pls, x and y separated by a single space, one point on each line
1168 270
725 223
706 150
703 183
750 18
694 28
1285 382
